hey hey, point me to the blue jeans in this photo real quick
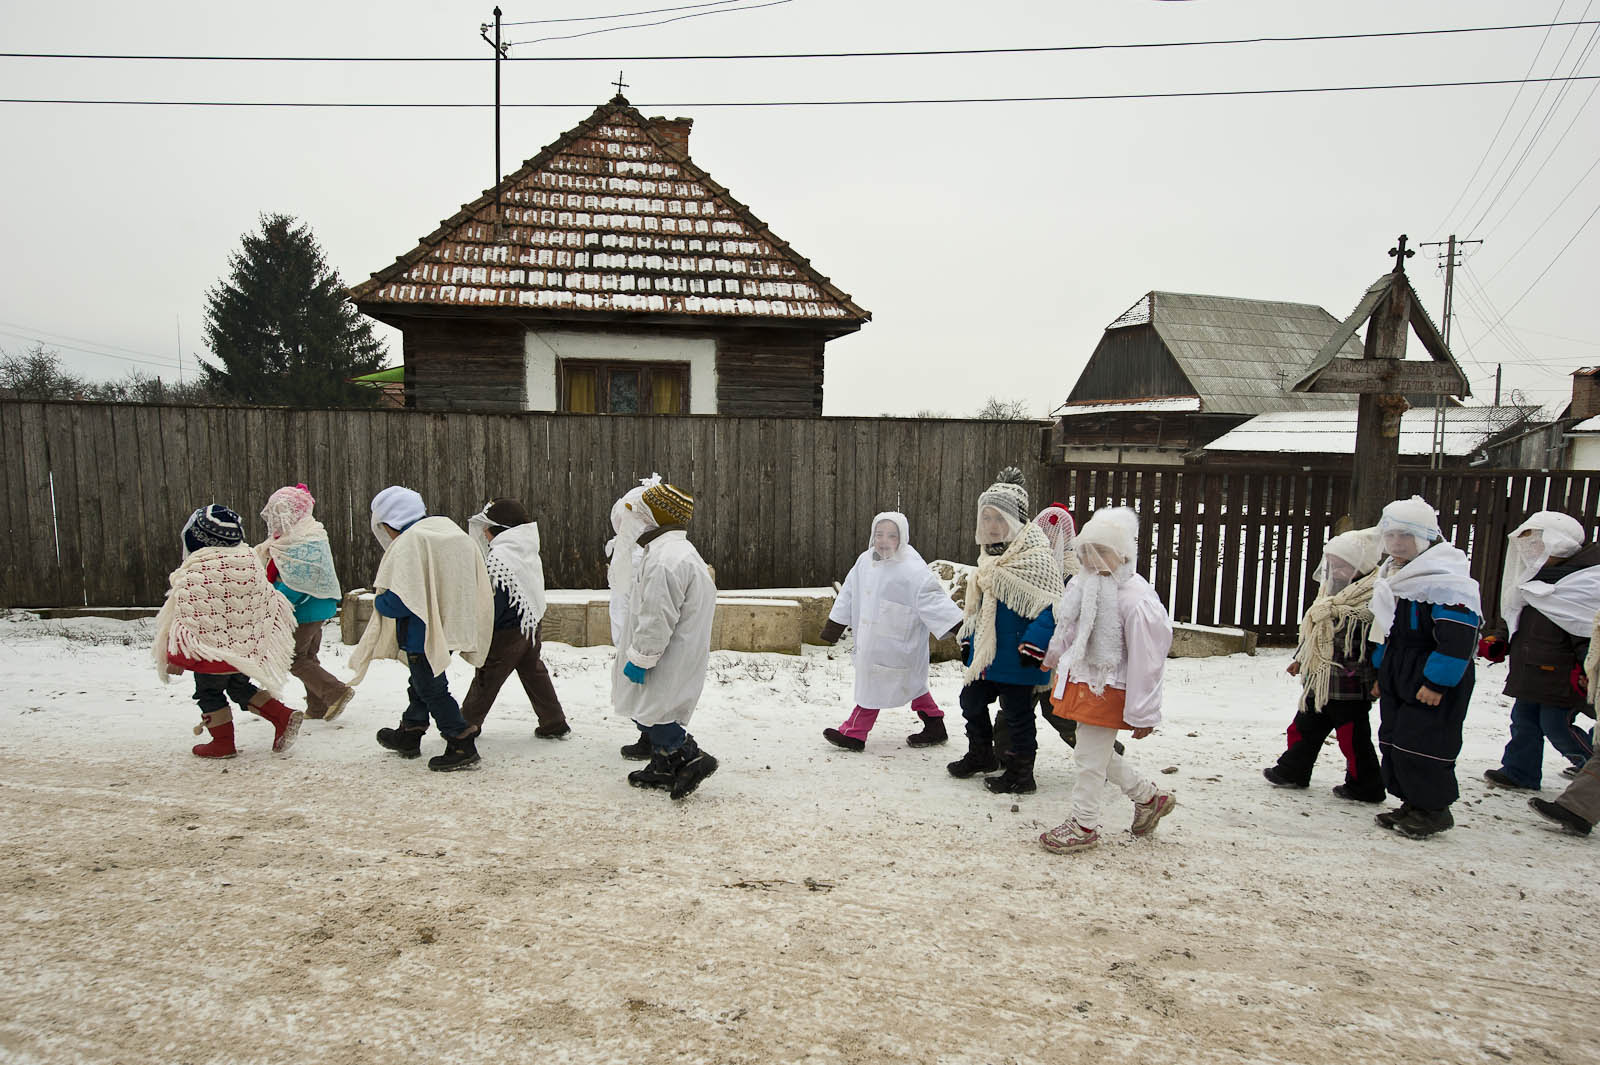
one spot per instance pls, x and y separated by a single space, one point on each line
665 737
1531 724
430 695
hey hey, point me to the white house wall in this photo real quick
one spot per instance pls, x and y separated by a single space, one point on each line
543 348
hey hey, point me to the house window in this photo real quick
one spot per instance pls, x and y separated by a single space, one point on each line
624 387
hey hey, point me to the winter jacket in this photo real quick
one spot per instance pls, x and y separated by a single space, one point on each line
506 615
666 631
1012 630
1543 654
1351 677
1429 644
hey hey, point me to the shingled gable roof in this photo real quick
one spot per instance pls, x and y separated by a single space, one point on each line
1240 356
612 218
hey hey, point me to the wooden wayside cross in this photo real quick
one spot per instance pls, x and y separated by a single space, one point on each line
1399 254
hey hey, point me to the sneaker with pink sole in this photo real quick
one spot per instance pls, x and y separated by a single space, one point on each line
1068 837
1146 815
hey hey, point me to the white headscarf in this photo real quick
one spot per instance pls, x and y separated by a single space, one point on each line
1413 518
630 519
1530 547
1105 548
1359 549
395 507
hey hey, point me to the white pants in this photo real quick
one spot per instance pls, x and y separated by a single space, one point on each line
1098 762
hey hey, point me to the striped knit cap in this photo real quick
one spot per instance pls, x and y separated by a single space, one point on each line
669 505
212 526
1007 495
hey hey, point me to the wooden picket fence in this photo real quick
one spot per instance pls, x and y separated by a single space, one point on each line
94 495
1239 549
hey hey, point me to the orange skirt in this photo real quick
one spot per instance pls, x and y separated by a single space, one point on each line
1080 704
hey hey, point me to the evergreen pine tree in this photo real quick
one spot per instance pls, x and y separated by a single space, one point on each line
281 327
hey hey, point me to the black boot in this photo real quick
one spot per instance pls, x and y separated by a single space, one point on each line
459 753
978 759
637 752
1420 824
932 733
1561 816
406 742
839 739
1389 818
658 774
1016 780
690 766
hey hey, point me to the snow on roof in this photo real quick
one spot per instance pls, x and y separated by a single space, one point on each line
1588 425
1177 403
612 217
1333 432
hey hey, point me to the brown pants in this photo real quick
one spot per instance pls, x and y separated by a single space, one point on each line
1582 796
322 687
509 652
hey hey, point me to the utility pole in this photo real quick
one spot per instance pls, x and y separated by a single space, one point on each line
499 54
1450 255
1498 367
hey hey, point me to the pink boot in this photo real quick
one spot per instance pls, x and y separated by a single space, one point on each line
852 735
285 722
220 724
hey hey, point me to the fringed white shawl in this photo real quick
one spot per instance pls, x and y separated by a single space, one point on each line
1346 613
221 608
1024 577
514 566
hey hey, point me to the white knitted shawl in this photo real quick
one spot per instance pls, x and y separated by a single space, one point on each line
303 558
221 608
1347 611
1024 577
514 565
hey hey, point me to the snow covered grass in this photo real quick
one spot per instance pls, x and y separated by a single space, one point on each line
807 904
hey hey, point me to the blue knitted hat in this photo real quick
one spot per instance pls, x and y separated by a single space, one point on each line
212 526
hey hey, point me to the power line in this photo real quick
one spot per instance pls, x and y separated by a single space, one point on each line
1511 107
1116 46
1575 234
1562 139
1561 93
1081 98
659 22
624 14
1546 220
166 365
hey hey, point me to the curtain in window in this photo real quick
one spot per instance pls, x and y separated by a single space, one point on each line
667 392
581 391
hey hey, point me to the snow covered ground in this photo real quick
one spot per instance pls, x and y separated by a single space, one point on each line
806 905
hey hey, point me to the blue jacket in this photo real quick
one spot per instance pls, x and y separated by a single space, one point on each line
307 608
410 631
1011 630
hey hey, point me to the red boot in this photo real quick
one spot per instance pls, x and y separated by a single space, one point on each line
220 722
285 722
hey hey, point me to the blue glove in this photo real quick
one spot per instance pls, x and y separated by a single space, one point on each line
633 672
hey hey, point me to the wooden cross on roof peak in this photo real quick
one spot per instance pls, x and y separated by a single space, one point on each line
1399 253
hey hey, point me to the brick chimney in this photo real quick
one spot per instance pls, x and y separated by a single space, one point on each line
1586 392
675 130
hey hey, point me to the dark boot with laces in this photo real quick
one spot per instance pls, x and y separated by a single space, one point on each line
638 751
690 765
658 774
406 742
460 752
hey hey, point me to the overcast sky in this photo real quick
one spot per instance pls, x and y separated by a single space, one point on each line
991 242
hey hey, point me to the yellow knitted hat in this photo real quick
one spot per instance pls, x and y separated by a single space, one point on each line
669 505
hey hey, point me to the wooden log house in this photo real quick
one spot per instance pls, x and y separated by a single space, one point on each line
611 274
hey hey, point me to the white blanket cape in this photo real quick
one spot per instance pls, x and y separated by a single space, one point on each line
440 576
1438 575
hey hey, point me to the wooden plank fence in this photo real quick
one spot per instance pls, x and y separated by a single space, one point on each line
1239 548
93 495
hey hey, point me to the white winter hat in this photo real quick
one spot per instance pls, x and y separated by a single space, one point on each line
395 507
1359 547
1415 516
1114 527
